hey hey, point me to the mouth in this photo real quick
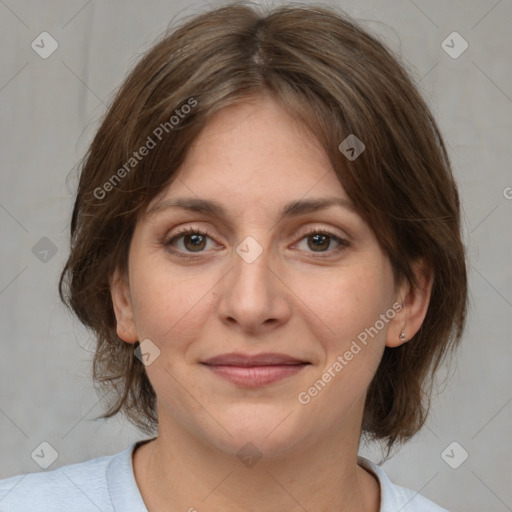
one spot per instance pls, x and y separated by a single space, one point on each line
255 370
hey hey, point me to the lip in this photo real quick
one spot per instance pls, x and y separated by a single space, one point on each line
255 370
246 360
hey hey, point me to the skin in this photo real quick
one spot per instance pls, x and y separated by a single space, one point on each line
294 298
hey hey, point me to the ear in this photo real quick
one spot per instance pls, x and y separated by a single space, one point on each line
121 300
415 303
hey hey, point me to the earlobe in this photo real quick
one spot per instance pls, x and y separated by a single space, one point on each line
121 301
415 302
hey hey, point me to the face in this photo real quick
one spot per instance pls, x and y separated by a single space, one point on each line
307 289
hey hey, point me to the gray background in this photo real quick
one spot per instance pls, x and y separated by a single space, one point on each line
50 109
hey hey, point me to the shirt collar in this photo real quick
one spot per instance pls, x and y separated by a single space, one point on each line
389 499
124 492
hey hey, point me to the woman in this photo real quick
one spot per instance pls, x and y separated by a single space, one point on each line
266 243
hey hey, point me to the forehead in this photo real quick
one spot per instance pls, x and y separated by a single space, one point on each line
255 152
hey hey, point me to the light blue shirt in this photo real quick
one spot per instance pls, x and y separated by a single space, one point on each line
107 484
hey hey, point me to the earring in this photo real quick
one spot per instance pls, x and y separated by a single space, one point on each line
402 336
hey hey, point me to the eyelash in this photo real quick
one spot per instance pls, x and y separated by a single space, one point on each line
343 244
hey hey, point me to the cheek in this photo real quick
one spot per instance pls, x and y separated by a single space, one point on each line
354 298
352 309
169 307
357 300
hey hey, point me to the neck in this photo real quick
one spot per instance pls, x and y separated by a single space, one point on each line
177 472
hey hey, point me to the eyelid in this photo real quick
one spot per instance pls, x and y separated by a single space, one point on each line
304 231
187 230
331 231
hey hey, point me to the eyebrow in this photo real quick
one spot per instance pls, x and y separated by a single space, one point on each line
291 209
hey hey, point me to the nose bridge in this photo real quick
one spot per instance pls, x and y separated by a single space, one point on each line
252 294
251 268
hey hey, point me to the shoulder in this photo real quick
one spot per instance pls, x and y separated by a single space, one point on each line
394 497
82 486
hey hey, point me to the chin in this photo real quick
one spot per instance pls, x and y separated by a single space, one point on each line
260 429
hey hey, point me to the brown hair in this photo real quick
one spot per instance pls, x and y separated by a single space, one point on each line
337 79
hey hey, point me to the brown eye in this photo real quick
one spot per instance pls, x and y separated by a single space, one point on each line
187 241
321 241
194 242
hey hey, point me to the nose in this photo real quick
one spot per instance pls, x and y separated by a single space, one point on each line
253 296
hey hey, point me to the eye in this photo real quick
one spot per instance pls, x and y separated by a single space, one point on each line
319 241
193 241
